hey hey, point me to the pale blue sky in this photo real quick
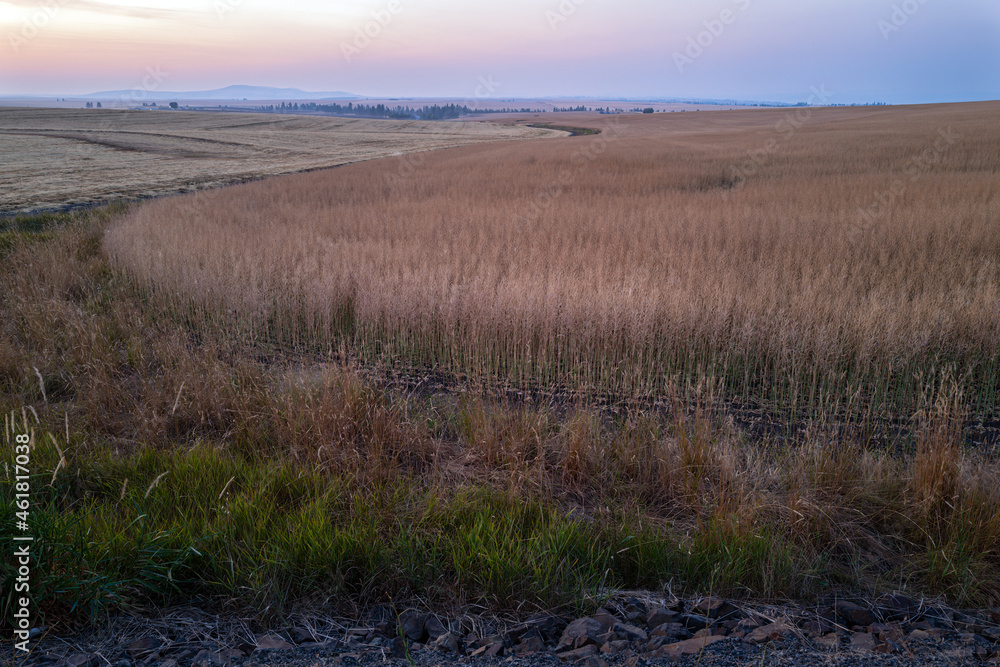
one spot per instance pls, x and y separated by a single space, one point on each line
860 50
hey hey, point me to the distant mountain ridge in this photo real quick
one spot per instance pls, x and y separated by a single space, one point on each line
227 93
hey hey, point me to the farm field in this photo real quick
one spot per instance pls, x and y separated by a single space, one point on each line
54 158
839 264
497 376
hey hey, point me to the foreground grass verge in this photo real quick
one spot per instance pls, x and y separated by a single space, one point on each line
167 467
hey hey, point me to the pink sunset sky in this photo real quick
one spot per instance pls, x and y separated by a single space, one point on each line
860 50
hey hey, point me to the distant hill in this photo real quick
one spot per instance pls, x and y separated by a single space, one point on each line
227 93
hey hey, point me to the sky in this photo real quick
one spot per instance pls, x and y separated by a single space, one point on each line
894 51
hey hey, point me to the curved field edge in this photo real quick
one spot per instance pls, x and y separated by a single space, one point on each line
167 465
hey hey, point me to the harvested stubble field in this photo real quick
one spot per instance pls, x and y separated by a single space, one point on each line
54 158
195 371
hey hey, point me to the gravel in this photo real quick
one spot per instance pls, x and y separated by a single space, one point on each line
630 630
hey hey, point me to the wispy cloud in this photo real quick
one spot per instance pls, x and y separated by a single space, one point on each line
107 8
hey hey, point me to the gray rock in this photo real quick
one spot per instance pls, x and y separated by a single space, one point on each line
413 625
886 632
578 654
531 643
548 625
863 641
887 647
630 632
816 627
963 620
687 647
767 633
484 641
397 646
605 618
616 646
659 616
490 650
302 635
939 617
636 611
897 607
715 609
433 627
273 643
580 632
605 637
450 642
694 622
671 631
853 614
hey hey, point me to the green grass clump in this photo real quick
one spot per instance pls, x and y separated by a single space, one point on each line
267 532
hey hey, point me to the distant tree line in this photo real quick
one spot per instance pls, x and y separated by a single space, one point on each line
431 112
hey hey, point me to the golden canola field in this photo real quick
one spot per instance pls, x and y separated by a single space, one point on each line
838 261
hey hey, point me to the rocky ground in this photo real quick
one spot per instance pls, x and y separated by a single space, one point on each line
630 630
